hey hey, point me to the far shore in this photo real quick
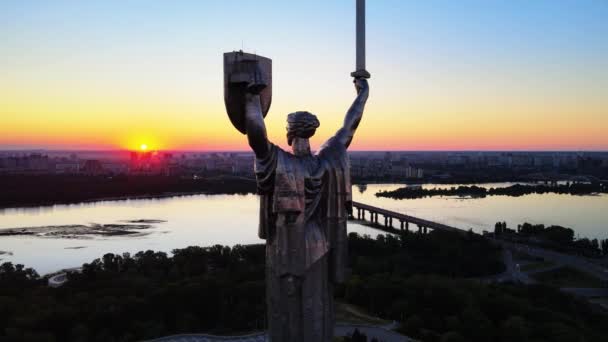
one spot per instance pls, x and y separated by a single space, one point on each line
175 194
241 186
118 198
21 191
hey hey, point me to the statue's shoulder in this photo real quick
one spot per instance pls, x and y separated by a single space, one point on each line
273 152
331 148
277 154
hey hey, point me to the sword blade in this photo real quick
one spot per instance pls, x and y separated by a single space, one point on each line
360 64
360 71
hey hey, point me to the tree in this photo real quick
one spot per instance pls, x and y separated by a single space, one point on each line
358 336
452 336
497 228
477 325
514 329
595 244
605 246
413 325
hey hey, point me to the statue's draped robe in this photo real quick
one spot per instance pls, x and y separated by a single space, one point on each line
304 205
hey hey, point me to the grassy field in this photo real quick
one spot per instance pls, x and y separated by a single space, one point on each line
523 256
568 277
533 266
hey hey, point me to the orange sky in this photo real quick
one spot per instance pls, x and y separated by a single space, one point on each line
86 76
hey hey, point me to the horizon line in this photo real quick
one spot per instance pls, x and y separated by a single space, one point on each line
249 151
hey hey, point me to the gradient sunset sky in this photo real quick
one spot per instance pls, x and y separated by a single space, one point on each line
446 75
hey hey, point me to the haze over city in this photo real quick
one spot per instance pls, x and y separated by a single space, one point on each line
467 75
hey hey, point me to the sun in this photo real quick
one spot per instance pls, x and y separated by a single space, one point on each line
143 147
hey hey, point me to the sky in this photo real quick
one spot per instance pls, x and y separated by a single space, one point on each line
446 75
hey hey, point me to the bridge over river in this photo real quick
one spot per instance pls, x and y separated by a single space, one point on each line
360 211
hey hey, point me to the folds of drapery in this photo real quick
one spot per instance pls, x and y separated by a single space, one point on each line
336 205
290 194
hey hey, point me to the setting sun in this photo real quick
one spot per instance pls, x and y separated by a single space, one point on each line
143 147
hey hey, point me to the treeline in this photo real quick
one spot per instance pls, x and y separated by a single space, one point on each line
128 298
515 190
417 280
554 237
415 283
443 309
439 252
28 190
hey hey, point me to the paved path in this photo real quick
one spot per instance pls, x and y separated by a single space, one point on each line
60 277
511 273
382 334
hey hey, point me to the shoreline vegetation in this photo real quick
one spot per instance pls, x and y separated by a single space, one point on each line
42 190
426 283
554 237
23 191
515 190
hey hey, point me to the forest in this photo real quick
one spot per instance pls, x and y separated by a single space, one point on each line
428 283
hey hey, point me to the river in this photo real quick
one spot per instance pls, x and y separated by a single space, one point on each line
232 219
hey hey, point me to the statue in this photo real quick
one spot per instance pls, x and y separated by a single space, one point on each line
304 202
305 198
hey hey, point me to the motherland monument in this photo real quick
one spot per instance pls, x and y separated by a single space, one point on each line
305 198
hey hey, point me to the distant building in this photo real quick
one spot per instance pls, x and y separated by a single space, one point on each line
67 167
92 167
115 168
30 164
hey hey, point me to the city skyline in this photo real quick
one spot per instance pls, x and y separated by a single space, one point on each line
475 76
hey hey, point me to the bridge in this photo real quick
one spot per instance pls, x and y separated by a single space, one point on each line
404 220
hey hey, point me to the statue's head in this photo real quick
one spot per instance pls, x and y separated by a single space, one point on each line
300 127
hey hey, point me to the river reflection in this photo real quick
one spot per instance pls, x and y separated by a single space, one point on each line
232 219
587 215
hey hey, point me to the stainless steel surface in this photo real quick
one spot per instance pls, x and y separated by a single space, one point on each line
360 35
304 204
245 72
360 71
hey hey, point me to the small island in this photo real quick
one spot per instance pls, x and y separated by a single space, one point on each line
515 190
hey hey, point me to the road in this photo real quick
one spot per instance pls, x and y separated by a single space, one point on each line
580 263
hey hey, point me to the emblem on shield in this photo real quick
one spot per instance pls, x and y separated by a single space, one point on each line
245 72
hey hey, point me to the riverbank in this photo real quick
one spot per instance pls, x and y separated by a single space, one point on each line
515 190
33 191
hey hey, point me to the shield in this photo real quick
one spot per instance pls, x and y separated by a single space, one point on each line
243 71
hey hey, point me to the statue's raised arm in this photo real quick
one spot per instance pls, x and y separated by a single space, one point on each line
346 133
254 123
